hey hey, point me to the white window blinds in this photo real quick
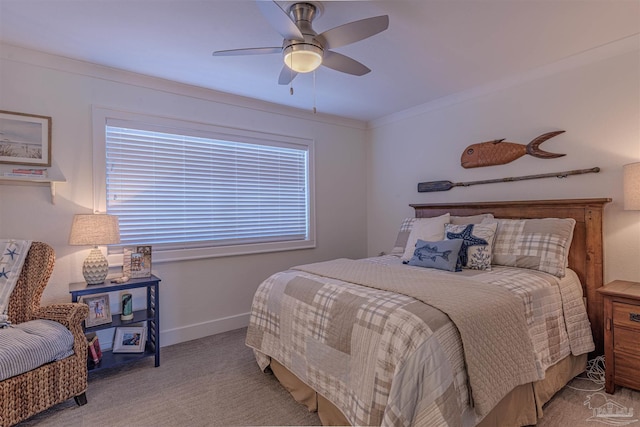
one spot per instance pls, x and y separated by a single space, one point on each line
175 191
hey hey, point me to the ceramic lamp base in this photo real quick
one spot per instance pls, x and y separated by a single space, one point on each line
95 267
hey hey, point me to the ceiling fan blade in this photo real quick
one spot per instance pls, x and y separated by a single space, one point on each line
286 75
248 51
353 31
280 20
339 62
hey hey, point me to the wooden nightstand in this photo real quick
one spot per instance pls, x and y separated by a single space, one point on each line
621 334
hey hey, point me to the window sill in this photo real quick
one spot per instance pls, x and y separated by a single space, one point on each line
172 255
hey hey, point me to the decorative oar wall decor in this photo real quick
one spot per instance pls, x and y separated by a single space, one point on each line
425 187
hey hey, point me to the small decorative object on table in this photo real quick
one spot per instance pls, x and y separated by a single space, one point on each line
99 312
127 307
130 340
95 353
137 264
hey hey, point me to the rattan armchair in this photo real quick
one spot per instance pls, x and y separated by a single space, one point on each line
25 395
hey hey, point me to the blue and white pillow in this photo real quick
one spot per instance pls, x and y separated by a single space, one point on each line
443 255
476 251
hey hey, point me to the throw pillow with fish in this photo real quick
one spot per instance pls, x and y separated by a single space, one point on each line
443 255
500 152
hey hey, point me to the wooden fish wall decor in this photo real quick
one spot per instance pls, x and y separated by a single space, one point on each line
499 152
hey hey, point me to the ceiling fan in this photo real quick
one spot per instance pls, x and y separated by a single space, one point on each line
303 49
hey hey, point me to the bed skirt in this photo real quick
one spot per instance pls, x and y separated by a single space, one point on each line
521 407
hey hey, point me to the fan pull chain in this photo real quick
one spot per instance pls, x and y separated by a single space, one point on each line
314 93
290 83
291 75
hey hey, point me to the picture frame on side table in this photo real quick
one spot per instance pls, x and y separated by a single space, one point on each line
99 311
130 339
126 262
25 139
140 262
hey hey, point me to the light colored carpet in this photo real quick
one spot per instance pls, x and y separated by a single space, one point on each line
215 381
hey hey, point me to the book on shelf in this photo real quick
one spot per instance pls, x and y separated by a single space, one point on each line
30 171
27 172
94 354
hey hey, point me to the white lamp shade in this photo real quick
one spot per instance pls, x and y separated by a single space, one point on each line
631 184
94 229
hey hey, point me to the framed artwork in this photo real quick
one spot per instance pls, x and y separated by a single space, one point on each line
99 312
130 339
126 262
137 264
145 261
25 139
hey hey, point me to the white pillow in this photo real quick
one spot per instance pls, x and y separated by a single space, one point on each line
427 229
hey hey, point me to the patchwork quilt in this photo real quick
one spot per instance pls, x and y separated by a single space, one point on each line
367 335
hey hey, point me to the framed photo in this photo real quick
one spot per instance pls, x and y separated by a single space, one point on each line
137 263
99 312
25 139
126 262
130 340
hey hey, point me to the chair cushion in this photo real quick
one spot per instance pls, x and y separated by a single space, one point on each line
28 345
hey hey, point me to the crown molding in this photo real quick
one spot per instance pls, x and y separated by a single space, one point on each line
88 69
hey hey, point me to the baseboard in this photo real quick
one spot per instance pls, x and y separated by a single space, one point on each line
200 330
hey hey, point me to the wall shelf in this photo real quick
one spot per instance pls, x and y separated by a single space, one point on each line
53 177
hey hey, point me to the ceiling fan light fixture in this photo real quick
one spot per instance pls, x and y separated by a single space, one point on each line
303 57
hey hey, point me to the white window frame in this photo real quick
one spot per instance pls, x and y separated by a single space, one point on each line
100 117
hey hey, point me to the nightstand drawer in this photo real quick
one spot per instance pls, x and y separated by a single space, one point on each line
626 315
626 340
626 371
621 334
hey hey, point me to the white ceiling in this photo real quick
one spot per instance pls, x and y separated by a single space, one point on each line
432 49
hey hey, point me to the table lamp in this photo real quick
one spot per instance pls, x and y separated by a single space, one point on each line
631 186
94 230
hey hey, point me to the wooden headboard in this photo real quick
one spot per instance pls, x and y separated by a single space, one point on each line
585 254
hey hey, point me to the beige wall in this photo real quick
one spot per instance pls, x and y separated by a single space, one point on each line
198 297
365 179
595 98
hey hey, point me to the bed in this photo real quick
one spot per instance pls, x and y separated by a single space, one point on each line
368 342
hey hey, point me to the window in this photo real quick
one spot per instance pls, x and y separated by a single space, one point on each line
194 190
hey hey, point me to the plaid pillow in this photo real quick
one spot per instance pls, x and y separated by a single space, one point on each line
403 236
538 244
